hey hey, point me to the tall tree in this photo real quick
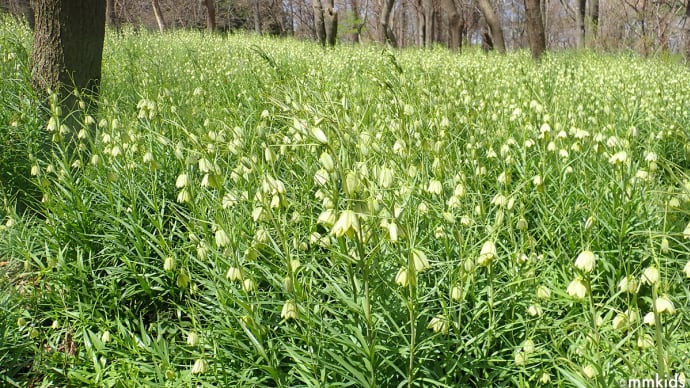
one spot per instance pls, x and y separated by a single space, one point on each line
535 28
68 45
594 15
110 13
330 16
580 18
494 25
385 30
257 17
319 23
455 24
428 22
158 13
210 14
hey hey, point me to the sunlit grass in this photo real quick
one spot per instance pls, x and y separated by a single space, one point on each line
251 211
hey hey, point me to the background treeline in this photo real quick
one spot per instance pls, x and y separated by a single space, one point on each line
646 26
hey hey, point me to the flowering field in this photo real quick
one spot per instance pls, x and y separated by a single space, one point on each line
249 211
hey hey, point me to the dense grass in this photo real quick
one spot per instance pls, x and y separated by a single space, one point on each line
257 212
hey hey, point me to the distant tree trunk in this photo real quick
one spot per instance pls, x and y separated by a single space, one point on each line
421 24
454 24
319 23
535 28
290 18
360 20
210 14
21 9
594 14
257 18
387 35
428 23
159 15
110 13
494 25
330 23
580 19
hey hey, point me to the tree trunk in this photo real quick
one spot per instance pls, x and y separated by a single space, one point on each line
159 15
330 23
210 14
319 23
110 13
454 24
494 25
580 19
428 23
386 32
68 45
594 14
535 28
359 23
257 18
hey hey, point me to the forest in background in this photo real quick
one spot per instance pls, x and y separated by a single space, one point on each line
645 26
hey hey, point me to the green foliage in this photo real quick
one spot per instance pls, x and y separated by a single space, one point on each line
256 212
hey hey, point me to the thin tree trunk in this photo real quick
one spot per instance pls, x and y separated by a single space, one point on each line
580 19
387 35
159 15
319 23
428 23
535 28
257 18
330 23
454 25
210 15
494 25
110 13
594 12
290 18
359 22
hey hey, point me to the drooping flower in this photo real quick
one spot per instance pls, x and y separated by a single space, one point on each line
419 260
487 254
439 324
199 367
577 289
664 305
192 338
289 310
586 261
347 224
650 276
401 277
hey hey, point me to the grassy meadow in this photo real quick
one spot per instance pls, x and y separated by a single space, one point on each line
250 211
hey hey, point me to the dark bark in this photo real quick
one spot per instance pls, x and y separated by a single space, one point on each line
494 25
319 23
210 14
68 45
21 9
